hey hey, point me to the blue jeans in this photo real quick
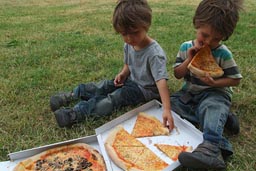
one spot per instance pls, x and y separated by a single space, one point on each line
209 110
104 97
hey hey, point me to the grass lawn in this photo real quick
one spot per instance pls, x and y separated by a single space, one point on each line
51 46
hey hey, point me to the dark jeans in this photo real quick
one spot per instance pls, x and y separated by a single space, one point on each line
208 109
104 97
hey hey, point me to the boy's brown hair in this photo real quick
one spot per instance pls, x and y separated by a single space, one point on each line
221 15
131 14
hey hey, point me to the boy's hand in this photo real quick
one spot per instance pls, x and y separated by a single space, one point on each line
168 120
207 79
121 77
219 82
119 80
193 50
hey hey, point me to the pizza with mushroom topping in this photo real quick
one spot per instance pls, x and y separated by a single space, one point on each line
74 157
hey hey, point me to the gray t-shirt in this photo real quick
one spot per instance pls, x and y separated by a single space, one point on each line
147 66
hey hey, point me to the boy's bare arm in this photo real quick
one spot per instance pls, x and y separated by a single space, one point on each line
181 70
220 82
165 98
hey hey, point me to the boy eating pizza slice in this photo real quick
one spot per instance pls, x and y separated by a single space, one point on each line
204 100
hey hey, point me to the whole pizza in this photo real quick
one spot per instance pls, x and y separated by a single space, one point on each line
74 157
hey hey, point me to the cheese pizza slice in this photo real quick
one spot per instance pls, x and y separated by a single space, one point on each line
173 151
203 62
149 161
120 137
146 126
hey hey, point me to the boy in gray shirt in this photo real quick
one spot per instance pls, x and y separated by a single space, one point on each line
143 77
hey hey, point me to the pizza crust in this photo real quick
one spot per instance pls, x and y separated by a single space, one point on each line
201 73
202 59
111 151
120 163
112 135
109 143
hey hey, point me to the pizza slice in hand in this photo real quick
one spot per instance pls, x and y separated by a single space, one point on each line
146 126
203 62
173 151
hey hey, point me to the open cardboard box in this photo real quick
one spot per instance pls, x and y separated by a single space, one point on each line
16 157
184 133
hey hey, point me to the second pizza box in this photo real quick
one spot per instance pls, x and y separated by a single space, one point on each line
184 133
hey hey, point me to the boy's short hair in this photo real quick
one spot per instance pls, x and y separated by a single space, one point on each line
131 14
221 15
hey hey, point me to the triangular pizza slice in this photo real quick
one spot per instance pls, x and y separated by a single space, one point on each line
120 137
173 151
149 161
203 62
146 126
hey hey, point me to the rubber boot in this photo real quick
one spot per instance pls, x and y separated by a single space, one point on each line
67 117
206 156
59 100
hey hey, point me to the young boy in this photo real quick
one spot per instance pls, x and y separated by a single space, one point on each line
143 77
206 101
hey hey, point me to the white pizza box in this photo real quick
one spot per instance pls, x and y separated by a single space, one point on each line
16 157
184 133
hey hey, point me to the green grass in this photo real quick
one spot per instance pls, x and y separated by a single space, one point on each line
51 46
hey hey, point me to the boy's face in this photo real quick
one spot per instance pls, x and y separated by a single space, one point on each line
206 35
134 37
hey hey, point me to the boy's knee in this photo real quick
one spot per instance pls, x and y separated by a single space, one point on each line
104 107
